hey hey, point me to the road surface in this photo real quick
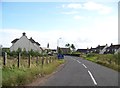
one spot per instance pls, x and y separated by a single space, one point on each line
80 72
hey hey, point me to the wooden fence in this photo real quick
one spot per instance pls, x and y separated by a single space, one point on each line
26 62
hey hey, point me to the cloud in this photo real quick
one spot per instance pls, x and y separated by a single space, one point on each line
91 6
101 31
97 7
70 12
77 17
72 5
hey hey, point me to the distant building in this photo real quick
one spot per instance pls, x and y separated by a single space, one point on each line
101 49
92 50
112 49
65 50
104 49
83 51
25 43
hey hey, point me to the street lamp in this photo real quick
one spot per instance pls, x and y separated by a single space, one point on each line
0 50
58 44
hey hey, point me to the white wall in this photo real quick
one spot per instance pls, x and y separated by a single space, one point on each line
24 42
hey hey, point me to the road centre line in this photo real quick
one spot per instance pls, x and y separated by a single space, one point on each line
73 58
89 73
92 77
78 61
84 65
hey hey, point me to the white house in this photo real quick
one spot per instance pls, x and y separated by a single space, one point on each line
25 43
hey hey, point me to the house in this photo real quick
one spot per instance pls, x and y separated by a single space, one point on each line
101 49
64 50
25 44
54 51
92 50
112 49
83 51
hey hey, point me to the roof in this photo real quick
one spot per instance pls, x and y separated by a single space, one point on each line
64 48
100 47
54 50
92 48
31 39
82 50
37 43
114 46
15 40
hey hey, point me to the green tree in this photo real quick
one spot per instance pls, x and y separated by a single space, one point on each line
73 47
31 52
19 50
24 52
67 45
59 50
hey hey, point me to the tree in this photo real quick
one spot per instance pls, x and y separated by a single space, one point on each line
59 50
48 45
73 47
19 50
67 45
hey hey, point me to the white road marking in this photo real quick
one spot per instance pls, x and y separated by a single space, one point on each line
84 65
72 58
92 77
78 61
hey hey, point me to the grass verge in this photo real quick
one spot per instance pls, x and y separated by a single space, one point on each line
109 60
14 76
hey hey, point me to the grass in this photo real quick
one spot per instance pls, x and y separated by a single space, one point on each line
0 71
109 60
14 76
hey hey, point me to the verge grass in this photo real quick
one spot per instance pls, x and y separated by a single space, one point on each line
13 76
108 60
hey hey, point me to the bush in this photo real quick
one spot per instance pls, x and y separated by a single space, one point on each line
90 55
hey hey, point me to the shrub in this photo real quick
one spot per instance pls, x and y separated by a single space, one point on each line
90 55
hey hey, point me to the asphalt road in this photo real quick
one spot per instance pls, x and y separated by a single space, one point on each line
79 72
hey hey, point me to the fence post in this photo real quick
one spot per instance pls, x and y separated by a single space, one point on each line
5 59
29 61
42 61
48 60
18 60
37 60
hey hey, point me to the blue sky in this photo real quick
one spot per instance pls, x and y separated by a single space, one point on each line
84 24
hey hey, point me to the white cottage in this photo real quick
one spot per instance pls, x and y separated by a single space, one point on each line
25 43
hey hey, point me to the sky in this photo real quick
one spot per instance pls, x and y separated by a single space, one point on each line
85 24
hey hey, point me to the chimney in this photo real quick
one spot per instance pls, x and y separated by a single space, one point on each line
24 33
106 44
111 44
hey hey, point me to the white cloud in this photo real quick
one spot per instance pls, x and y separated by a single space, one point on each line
97 7
91 6
101 31
72 5
75 6
77 17
70 12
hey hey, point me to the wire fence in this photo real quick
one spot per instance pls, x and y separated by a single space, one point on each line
27 61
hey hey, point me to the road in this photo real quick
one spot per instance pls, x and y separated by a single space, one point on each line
80 72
